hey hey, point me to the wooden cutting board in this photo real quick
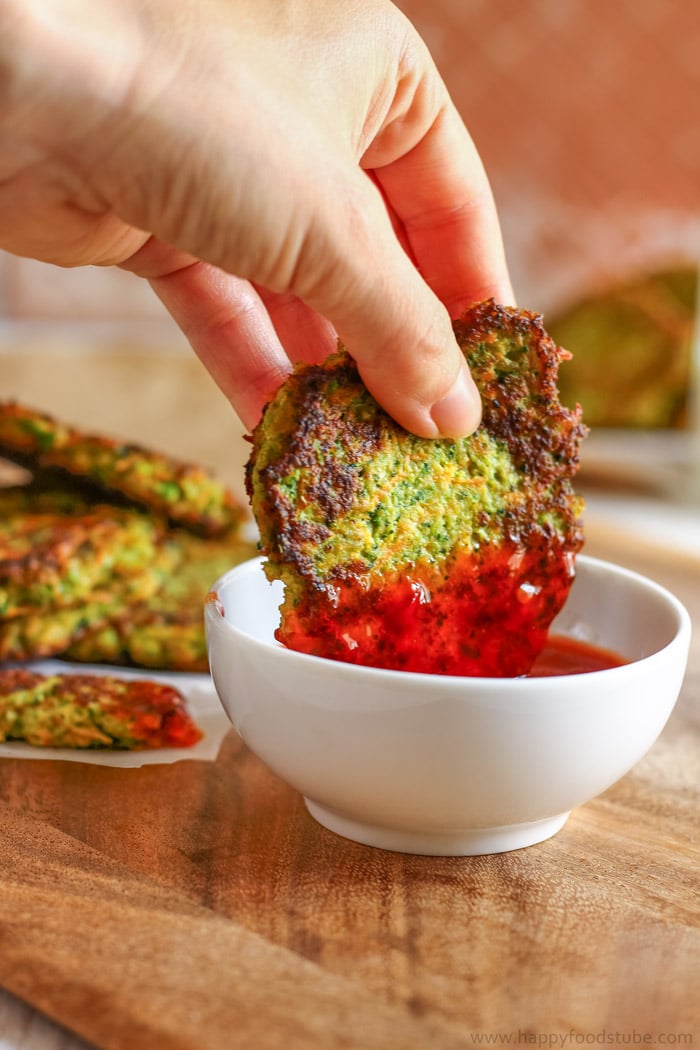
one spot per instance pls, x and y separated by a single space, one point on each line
198 906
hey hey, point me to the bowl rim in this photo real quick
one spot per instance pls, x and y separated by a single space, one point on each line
215 617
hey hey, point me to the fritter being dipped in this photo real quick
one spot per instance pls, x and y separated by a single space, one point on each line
187 494
447 557
92 711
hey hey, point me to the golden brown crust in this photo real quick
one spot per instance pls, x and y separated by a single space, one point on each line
523 407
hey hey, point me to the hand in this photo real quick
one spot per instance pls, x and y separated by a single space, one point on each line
279 170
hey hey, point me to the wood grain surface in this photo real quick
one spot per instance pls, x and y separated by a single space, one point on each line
198 906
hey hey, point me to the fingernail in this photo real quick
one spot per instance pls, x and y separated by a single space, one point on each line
458 413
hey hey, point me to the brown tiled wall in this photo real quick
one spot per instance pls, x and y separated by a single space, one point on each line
587 114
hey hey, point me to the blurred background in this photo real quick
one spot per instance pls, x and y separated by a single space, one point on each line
587 116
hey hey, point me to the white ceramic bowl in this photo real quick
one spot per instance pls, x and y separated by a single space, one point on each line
448 765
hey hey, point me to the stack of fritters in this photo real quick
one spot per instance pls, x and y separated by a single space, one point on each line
106 555
447 557
165 630
185 494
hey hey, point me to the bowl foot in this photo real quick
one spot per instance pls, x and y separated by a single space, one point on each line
463 842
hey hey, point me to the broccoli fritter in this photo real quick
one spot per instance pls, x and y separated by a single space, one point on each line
54 555
161 628
639 334
165 630
103 584
442 556
91 711
187 494
40 635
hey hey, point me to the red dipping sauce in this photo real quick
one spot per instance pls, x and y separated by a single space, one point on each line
488 618
389 631
562 655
